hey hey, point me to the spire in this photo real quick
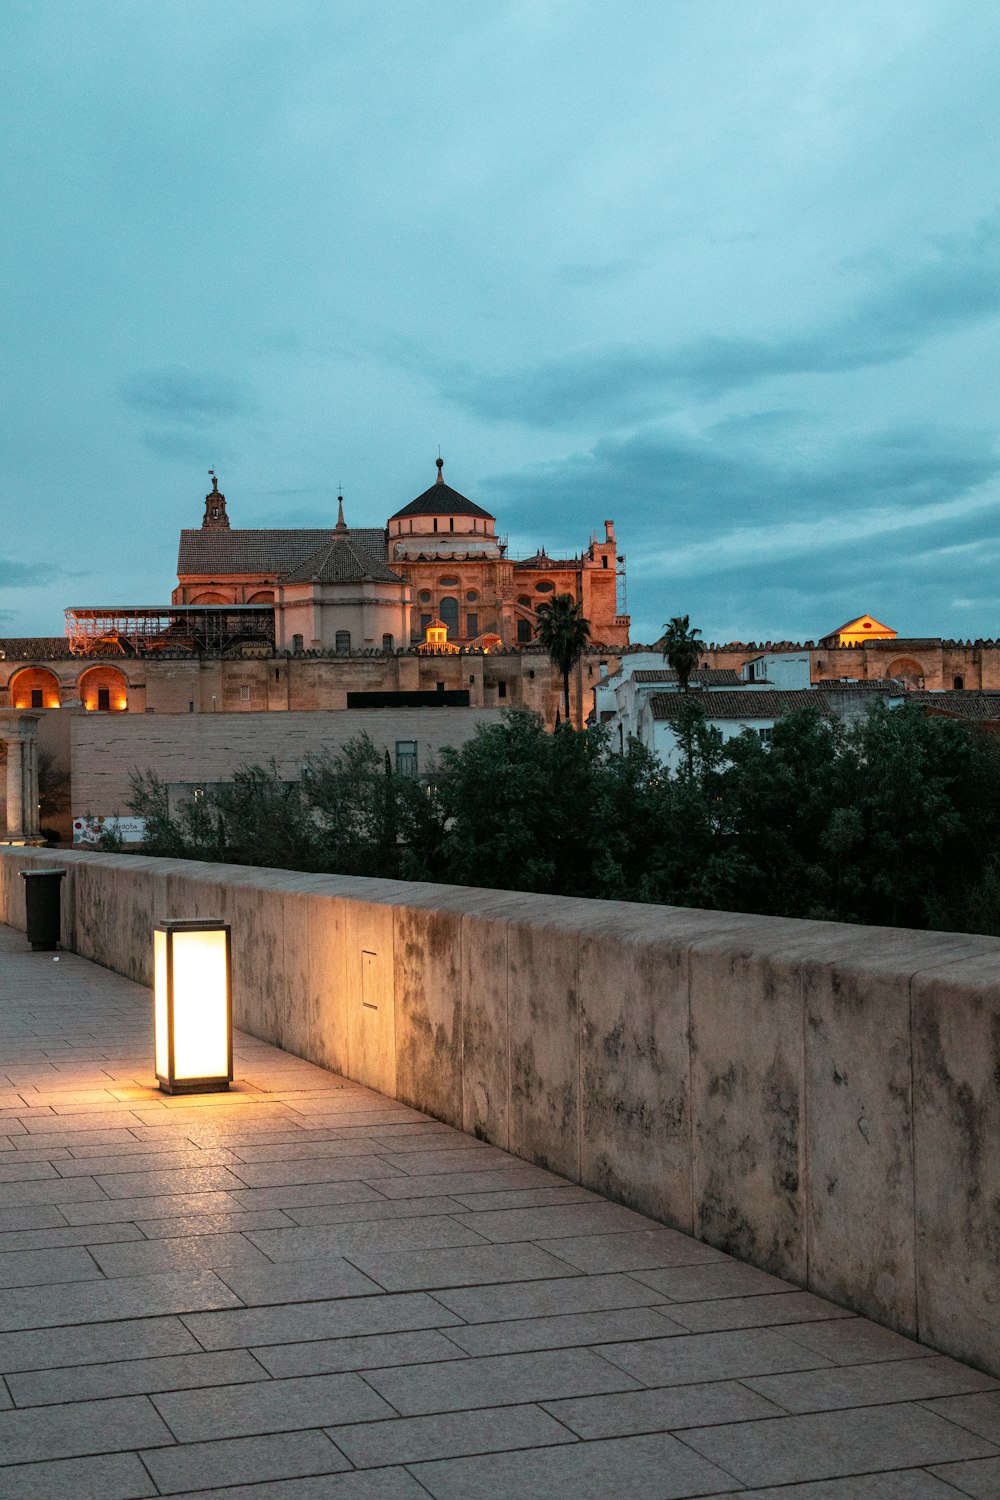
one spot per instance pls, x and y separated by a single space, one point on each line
440 467
215 518
341 523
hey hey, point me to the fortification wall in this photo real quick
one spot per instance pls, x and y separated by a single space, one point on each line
821 1100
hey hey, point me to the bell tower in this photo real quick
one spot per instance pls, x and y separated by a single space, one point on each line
215 508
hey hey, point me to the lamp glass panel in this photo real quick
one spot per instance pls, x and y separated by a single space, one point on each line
160 1003
201 1042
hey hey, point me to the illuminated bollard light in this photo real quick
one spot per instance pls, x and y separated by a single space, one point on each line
192 1005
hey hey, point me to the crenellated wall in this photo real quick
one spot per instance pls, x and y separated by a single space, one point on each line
822 1100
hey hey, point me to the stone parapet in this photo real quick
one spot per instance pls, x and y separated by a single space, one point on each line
818 1099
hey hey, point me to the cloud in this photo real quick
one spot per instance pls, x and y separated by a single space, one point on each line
178 395
764 526
187 447
954 284
17 575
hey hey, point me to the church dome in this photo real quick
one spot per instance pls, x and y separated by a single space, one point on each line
441 500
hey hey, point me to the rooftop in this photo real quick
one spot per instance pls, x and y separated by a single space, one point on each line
207 553
441 500
307 1283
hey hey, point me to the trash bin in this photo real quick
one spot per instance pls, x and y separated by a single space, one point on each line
41 899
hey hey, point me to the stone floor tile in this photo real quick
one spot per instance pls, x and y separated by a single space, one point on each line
632 1252
112 1476
270 1406
81 1428
167 1184
250 1460
979 1413
510 1224
904 1484
725 1278
225 1223
872 1385
474 1265
295 1323
372 1208
700 1356
764 1311
145 1162
298 1281
853 1341
633 1468
67 1235
539 1299
506 1379
102 1301
41 1267
544 1197
264 1174
33 1216
304 1150
421 1232
130 1210
305 1195
25 1169
433 1184
561 1332
63 1127
49 1190
133 1377
825 1445
406 1440
205 1251
371 1351
480 1158
661 1409
980 1478
378 1484
93 1343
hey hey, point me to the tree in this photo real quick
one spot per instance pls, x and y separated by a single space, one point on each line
564 633
681 647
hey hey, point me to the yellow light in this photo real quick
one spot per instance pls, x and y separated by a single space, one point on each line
192 1006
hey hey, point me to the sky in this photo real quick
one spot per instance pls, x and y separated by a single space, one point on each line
725 272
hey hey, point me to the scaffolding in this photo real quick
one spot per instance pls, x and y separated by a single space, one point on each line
146 629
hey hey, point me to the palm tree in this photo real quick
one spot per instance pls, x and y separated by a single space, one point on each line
681 647
564 633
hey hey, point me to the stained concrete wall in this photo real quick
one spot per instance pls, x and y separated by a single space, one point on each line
821 1100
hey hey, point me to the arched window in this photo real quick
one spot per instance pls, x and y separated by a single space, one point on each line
448 611
523 631
343 642
35 687
524 601
104 689
388 644
958 683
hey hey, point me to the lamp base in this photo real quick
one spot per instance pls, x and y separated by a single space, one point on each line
197 1086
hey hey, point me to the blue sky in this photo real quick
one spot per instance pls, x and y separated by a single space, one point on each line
726 272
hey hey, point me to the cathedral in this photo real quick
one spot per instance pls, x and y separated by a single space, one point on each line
437 564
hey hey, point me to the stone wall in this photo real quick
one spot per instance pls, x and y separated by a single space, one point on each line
819 1099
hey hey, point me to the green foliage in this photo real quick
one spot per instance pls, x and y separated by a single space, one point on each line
564 633
681 647
893 819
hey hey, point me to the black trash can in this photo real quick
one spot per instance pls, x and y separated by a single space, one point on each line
41 898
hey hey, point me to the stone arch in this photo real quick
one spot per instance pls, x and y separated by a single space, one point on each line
909 669
262 596
210 597
34 687
104 689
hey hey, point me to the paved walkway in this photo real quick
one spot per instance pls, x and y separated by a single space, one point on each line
305 1291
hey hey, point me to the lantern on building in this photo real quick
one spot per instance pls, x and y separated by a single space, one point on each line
192 1005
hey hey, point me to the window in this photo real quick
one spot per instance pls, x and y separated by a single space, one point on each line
957 682
406 757
604 562
532 672
36 698
501 690
388 644
471 624
244 692
104 699
343 642
471 680
524 601
425 620
451 523
439 686
425 596
449 582
523 630
296 643
448 610
472 596
545 587
764 735
435 523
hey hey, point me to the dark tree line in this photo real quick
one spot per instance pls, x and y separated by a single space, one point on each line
894 819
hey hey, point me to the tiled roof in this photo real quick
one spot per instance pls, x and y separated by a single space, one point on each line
864 684
340 560
32 647
540 563
710 676
744 704
211 553
441 500
969 703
